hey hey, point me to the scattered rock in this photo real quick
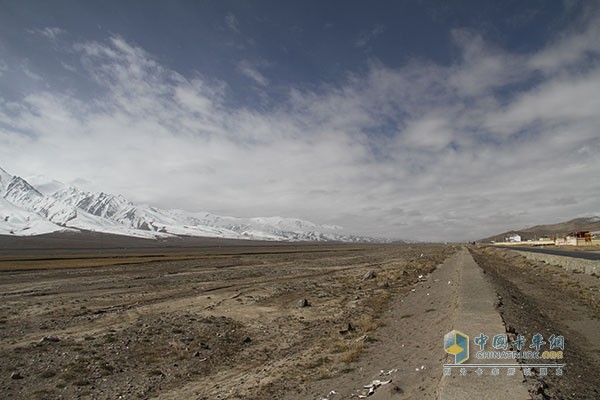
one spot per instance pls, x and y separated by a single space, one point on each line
349 328
247 339
187 340
16 375
538 389
204 346
302 303
370 274
49 339
396 390
383 285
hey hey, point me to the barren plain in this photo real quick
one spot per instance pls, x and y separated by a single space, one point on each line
216 323
297 321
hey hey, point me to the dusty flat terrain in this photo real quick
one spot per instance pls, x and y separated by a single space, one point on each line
270 322
220 323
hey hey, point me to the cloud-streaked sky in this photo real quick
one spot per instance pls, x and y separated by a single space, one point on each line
429 120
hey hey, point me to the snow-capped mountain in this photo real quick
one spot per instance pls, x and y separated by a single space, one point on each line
5 179
25 210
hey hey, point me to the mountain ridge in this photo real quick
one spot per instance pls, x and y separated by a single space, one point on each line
70 208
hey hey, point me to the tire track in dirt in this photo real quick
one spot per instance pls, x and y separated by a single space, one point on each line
119 316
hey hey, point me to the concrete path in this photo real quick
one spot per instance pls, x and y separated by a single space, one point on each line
475 313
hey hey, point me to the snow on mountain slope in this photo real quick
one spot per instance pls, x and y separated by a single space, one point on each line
104 212
5 179
119 210
284 224
20 192
89 222
17 221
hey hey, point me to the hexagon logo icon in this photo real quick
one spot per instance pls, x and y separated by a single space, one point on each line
457 344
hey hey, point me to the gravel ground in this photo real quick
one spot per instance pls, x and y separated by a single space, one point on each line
225 324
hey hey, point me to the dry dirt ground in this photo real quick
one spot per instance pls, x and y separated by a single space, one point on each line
256 323
271 322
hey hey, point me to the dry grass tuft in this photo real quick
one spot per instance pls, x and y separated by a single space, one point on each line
367 323
353 352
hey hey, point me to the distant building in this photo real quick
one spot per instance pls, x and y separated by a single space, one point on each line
514 238
584 237
580 238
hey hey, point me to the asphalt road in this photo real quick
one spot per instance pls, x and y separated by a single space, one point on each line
587 255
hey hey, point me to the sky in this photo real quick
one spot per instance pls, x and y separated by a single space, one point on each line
419 120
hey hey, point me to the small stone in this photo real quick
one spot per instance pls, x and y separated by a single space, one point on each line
302 303
16 375
396 390
349 328
50 339
187 340
247 339
383 284
370 274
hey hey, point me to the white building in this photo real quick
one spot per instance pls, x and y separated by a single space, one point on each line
514 238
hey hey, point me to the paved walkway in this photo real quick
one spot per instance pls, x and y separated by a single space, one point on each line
475 313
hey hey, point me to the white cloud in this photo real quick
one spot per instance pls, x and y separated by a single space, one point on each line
30 74
423 151
50 32
569 49
563 100
429 132
251 71
484 67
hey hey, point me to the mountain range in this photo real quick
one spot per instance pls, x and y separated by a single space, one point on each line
51 206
